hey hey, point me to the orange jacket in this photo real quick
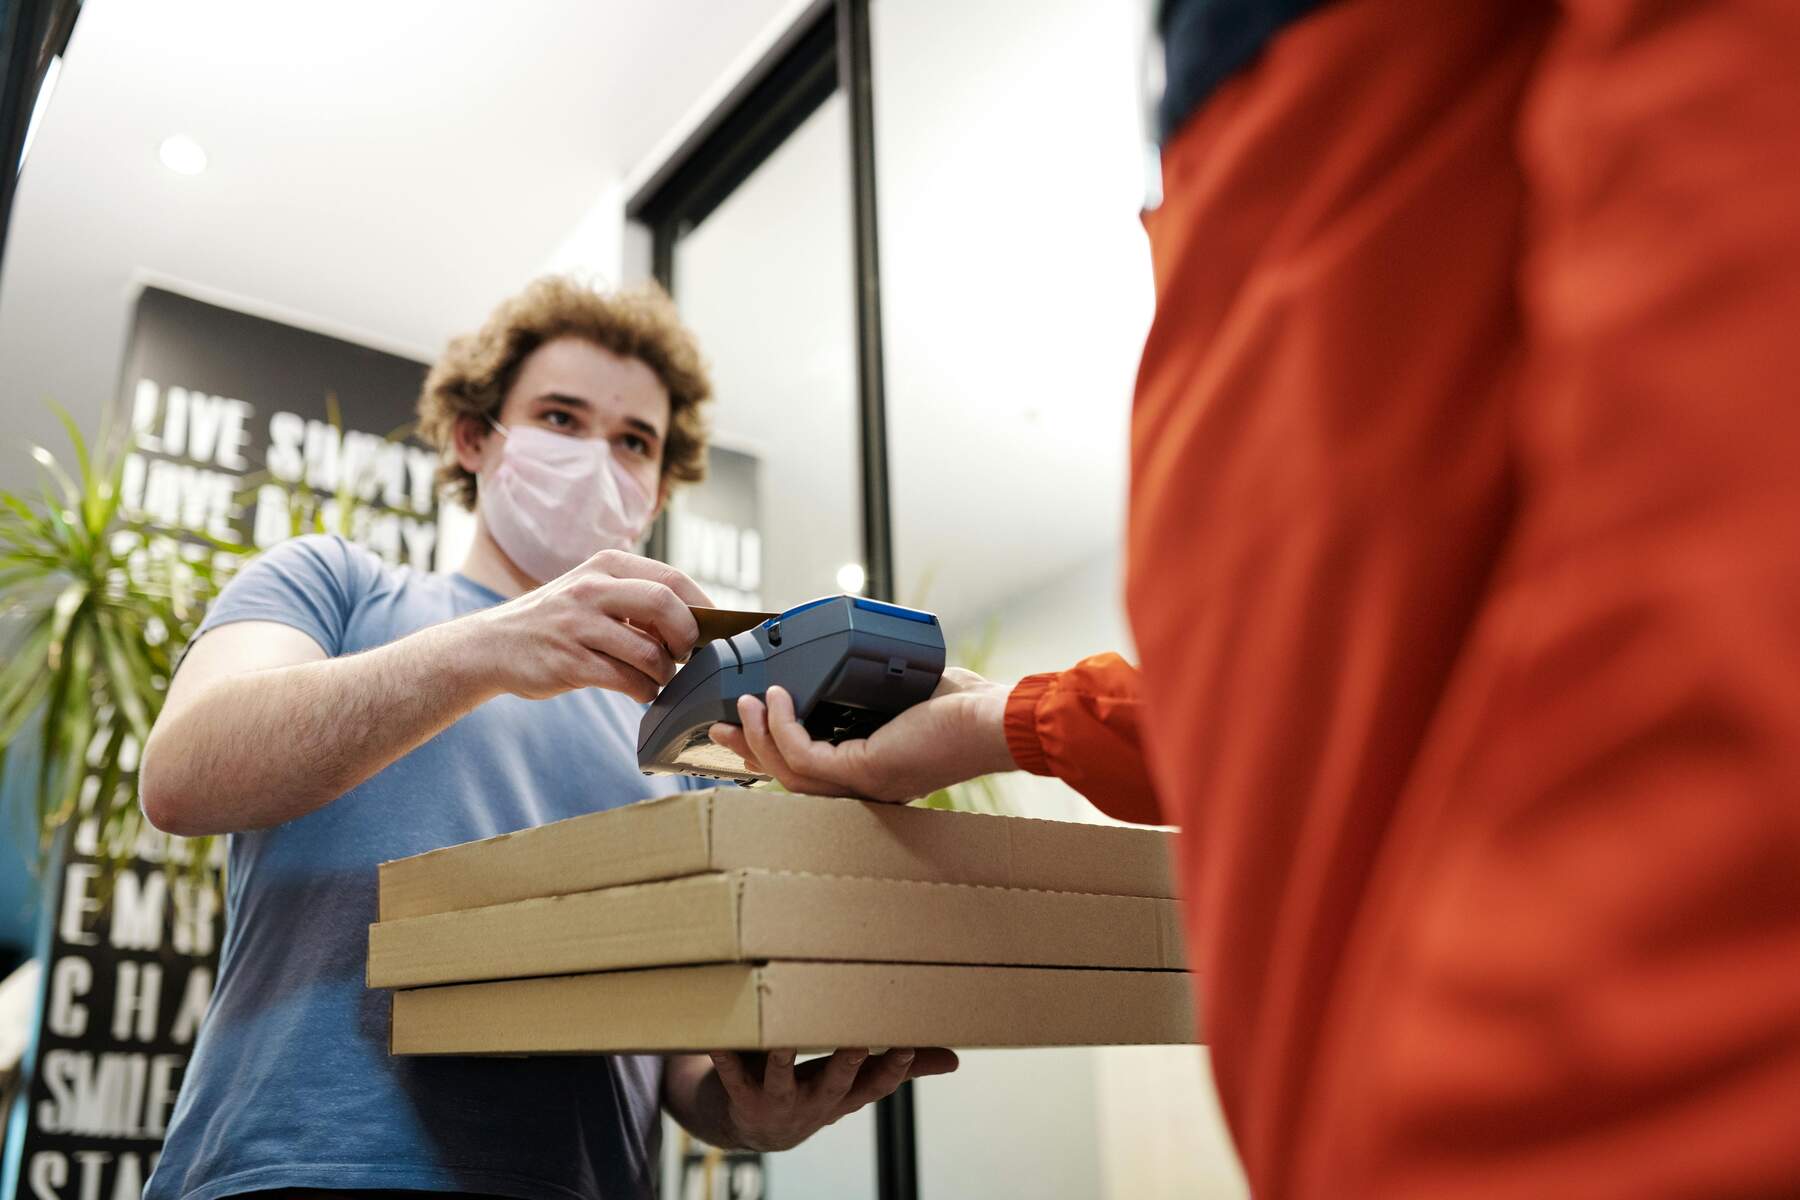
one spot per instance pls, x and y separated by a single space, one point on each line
1464 570
1081 725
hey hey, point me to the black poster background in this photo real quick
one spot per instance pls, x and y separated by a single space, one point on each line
220 404
126 979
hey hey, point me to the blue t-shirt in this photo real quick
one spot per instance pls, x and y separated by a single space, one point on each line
291 1084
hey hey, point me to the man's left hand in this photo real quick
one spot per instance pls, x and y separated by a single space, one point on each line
771 1104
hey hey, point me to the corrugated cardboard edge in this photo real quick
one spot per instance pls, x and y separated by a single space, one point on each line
797 916
689 920
806 1006
896 841
825 1005
754 914
551 1015
581 853
712 830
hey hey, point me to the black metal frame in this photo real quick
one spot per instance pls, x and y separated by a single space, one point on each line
799 73
857 68
827 48
32 32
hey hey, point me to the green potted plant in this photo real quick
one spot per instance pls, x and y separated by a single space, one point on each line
94 615
95 607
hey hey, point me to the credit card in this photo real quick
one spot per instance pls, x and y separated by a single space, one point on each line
718 623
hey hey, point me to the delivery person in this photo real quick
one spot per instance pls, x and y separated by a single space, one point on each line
334 712
1464 566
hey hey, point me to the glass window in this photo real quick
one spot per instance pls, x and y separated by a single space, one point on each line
766 282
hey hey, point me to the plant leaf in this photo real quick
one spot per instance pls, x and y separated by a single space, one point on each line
52 468
30 573
89 492
143 667
110 773
27 704
108 493
60 729
26 667
68 603
64 537
110 811
34 521
126 684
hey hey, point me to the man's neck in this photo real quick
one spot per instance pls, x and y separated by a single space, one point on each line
489 566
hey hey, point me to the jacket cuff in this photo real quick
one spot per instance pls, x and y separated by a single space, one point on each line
1021 724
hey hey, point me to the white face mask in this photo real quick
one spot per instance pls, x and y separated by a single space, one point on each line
552 502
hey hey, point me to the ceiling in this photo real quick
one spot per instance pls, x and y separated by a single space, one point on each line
386 171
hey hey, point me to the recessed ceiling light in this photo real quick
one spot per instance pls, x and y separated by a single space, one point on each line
183 155
851 577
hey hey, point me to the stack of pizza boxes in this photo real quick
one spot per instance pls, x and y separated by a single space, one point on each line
736 919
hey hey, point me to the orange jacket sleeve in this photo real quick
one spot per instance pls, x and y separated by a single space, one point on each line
1081 725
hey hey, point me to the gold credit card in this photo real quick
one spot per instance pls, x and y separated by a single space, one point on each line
718 623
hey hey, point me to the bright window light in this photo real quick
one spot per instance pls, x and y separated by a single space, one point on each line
183 155
851 577
43 102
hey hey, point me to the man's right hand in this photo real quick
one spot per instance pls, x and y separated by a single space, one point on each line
617 621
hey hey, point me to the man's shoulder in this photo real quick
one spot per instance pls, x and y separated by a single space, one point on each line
321 573
355 567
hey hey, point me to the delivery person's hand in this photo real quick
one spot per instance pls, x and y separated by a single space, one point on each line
958 734
617 621
771 1104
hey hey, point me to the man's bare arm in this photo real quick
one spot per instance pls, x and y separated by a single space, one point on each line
261 727
242 746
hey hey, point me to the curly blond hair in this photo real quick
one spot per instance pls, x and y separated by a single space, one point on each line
477 369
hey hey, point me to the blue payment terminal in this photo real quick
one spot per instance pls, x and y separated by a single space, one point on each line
850 664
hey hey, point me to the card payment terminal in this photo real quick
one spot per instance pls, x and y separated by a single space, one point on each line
851 664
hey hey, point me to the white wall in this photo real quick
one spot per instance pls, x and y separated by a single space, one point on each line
594 249
1155 1121
837 1163
1006 1123
1012 1123
1016 284
1051 623
1162 1136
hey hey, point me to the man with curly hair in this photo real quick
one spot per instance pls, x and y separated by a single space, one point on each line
335 712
